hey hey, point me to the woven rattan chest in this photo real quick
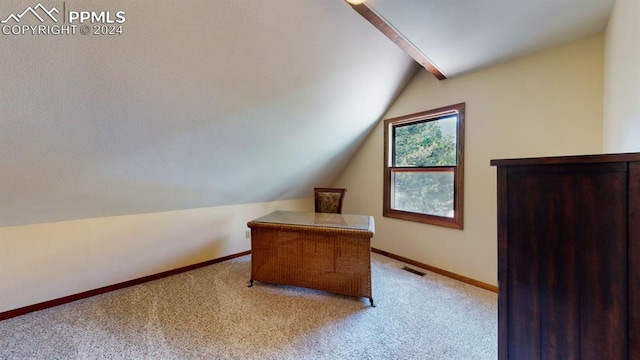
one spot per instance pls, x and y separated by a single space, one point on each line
329 252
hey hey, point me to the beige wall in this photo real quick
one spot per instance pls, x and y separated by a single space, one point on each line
546 104
51 260
622 79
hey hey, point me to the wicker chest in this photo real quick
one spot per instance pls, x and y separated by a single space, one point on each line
330 252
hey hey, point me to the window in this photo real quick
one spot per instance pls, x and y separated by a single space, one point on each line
423 160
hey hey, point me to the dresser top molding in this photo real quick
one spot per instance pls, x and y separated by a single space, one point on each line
574 159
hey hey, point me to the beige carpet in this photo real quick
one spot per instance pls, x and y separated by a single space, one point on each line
210 313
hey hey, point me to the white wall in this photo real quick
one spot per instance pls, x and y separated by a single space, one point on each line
622 79
52 260
546 104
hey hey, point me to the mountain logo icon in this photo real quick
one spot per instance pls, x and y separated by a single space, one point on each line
34 12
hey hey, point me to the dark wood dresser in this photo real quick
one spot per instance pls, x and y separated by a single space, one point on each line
569 257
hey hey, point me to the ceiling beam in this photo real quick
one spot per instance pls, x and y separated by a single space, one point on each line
395 36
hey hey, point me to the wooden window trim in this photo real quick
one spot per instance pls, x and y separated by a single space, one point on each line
457 221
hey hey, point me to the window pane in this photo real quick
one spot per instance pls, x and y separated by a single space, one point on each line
424 192
424 144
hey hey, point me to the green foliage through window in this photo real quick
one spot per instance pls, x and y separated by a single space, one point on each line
423 168
424 192
431 143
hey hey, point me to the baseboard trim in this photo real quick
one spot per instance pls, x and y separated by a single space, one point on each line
436 270
83 295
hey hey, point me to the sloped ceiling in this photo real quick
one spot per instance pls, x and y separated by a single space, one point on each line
198 103
459 36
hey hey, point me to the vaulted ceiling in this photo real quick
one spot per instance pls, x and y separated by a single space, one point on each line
210 102
198 103
459 36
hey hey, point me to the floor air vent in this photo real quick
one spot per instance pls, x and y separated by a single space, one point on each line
414 271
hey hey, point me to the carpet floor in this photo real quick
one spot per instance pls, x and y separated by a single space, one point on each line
210 313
